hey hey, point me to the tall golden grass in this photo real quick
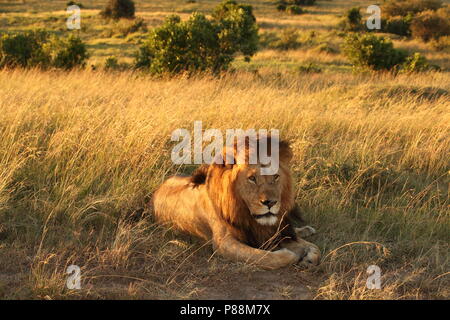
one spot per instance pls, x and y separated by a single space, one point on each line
82 152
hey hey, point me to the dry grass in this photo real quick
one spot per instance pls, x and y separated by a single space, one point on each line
81 153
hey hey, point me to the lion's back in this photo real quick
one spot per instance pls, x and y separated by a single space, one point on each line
178 204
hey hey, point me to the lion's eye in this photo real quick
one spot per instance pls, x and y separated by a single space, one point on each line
276 177
252 179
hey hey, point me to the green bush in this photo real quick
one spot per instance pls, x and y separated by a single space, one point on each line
352 20
38 49
416 63
200 44
303 2
367 51
431 25
281 6
292 6
23 49
394 8
425 19
398 25
113 64
179 46
66 53
294 9
238 31
116 9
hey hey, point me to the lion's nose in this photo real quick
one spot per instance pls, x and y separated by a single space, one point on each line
269 203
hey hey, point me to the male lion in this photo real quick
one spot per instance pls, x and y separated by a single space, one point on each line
244 213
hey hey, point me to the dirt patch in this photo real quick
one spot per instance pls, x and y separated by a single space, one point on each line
288 283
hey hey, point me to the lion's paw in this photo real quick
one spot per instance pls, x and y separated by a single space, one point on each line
284 257
305 231
311 257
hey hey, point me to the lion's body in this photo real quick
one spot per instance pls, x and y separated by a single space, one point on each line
188 209
219 205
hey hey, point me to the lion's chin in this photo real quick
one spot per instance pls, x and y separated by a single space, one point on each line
267 219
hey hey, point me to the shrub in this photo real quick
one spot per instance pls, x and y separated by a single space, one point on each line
38 49
113 64
398 25
238 31
23 49
116 9
181 46
423 19
66 53
416 63
294 9
281 6
367 51
303 2
394 8
200 44
293 6
352 20
431 25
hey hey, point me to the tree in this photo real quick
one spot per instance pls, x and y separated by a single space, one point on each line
200 44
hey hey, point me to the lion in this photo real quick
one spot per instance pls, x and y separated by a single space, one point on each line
246 215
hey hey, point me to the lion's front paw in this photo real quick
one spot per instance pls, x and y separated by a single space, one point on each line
311 255
305 231
283 257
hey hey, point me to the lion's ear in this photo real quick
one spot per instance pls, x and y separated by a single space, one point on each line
285 151
199 175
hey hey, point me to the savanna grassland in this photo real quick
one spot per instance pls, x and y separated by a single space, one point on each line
81 153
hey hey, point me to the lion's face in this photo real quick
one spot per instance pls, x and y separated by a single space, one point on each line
243 196
261 193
